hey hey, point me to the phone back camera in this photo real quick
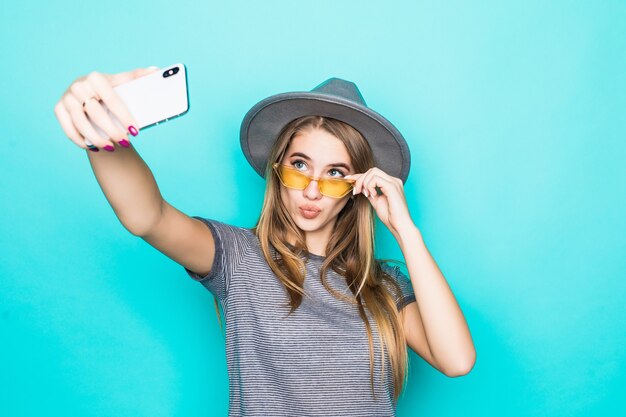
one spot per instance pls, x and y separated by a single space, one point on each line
170 72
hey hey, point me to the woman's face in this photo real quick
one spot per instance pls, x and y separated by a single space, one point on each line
319 154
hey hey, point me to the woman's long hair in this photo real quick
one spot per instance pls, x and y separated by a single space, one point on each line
350 250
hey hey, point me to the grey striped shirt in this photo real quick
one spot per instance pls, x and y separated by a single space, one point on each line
312 363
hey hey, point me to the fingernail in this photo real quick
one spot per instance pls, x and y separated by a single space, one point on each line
109 148
94 149
365 193
133 131
124 143
354 191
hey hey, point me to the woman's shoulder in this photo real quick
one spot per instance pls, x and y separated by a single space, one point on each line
392 271
390 266
397 282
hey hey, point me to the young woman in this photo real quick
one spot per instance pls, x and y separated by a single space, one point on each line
315 325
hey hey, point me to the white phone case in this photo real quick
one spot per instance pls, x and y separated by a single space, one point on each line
154 98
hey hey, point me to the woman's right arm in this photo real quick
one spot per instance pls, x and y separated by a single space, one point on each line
124 177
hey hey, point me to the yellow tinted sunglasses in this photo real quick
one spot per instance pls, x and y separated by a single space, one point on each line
330 187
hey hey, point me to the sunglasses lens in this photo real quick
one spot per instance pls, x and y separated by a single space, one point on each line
292 178
334 188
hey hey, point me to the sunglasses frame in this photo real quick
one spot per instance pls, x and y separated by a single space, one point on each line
310 178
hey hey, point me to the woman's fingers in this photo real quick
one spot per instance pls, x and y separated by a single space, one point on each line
68 126
96 114
376 181
367 182
358 180
101 119
83 125
104 89
82 110
359 184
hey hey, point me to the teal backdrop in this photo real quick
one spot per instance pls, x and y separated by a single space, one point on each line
514 112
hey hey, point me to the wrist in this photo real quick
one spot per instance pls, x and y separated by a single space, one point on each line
409 236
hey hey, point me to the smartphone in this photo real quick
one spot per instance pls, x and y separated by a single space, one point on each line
154 98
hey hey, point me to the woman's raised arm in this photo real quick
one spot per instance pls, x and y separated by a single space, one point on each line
124 177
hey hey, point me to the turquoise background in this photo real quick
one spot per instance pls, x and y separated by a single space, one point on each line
515 114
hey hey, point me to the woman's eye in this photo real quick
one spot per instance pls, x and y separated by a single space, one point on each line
340 174
298 164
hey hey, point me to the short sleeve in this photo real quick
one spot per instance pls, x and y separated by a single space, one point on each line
408 294
231 242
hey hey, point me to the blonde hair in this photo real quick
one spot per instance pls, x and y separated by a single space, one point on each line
350 250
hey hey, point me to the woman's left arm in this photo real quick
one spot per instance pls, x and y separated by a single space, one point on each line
442 322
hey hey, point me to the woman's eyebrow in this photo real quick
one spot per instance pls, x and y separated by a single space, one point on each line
335 164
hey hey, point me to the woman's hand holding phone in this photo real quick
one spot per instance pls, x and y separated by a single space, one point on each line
83 108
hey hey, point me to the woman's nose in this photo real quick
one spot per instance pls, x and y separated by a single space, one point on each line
312 191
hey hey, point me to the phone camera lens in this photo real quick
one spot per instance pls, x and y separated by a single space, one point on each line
170 72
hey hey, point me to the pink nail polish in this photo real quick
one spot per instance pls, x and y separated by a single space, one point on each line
109 148
94 149
133 131
124 143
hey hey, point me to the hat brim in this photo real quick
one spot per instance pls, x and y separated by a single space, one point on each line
263 123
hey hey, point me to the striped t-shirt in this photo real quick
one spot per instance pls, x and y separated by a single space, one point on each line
314 362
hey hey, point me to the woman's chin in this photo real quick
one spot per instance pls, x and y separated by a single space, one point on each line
308 225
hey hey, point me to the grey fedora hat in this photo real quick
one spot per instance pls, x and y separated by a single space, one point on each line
335 98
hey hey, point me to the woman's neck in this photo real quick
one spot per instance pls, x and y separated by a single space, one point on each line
316 241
